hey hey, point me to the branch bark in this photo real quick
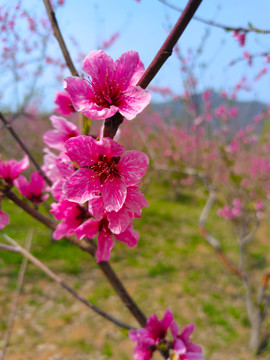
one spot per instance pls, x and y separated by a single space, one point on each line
58 35
111 125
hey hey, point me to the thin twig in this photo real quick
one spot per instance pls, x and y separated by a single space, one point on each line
59 281
25 149
8 248
14 307
111 125
88 246
57 33
221 26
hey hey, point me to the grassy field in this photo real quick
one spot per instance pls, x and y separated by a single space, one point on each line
172 267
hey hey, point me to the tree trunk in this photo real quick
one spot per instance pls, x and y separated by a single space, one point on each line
256 323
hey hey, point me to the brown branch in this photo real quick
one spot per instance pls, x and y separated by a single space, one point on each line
25 149
218 25
249 59
57 33
166 49
111 125
30 210
64 285
264 283
88 246
14 307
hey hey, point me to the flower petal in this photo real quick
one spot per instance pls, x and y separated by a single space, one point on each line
134 101
129 237
80 92
119 221
99 66
129 67
105 244
89 229
132 166
83 185
114 192
82 149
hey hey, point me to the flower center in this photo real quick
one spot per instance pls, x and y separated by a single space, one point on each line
106 167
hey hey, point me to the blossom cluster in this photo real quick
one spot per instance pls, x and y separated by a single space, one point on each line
154 337
96 186
34 190
95 182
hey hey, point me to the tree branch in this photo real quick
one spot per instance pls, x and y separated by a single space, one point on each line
218 25
58 35
64 285
111 125
89 246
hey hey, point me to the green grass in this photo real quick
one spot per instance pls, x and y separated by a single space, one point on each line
172 267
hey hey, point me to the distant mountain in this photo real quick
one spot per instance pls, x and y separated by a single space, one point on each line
177 111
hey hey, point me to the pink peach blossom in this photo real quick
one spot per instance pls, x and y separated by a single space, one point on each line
64 130
183 347
105 241
72 215
11 169
32 190
105 168
64 103
149 337
111 86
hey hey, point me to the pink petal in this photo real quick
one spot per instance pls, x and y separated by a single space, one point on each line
54 139
65 228
179 347
96 207
64 126
22 184
89 229
4 219
135 200
100 113
118 221
129 237
105 244
129 67
99 66
111 148
194 356
114 193
187 331
174 329
83 149
132 166
16 167
83 185
64 103
80 92
37 183
135 100
167 319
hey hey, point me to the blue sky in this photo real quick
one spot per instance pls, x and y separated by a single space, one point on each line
143 27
